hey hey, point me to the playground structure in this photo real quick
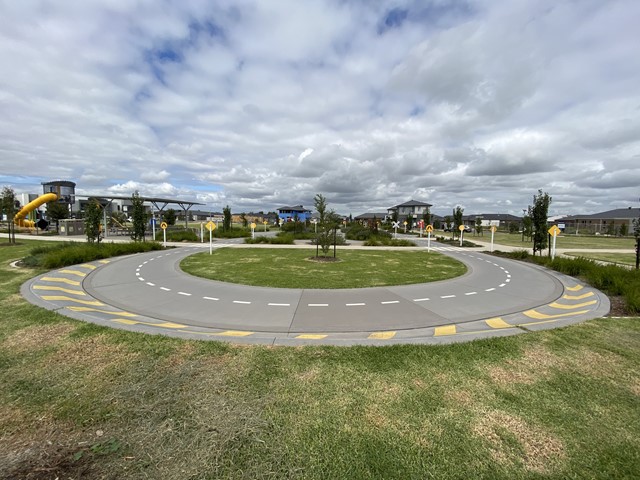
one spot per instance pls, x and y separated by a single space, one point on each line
20 217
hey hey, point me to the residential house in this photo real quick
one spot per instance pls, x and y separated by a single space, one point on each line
412 207
290 214
608 222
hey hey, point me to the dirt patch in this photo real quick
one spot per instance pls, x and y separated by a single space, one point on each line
37 337
618 307
324 259
540 451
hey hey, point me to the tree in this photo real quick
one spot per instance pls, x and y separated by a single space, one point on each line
226 221
327 222
426 216
138 217
457 218
92 217
478 226
170 216
394 216
243 218
527 226
624 230
57 211
9 209
409 222
539 215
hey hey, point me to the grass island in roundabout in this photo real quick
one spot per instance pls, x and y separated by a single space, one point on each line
298 268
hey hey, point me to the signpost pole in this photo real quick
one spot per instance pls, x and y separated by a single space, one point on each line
492 230
210 241
428 241
553 247
201 232
164 234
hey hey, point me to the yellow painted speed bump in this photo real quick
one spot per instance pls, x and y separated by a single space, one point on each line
311 336
61 280
86 265
578 297
498 323
62 298
446 330
74 272
89 309
126 321
382 335
59 289
574 289
103 261
543 316
562 306
234 333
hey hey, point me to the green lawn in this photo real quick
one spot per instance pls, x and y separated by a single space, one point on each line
291 268
81 401
563 241
622 258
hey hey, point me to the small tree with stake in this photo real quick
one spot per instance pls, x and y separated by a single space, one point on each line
636 233
539 215
92 216
327 223
9 209
139 217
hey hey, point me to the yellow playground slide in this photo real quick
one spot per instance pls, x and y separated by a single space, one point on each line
19 219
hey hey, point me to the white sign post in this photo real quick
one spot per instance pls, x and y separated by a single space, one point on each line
396 225
429 230
201 232
211 227
461 228
493 230
554 231
253 230
163 226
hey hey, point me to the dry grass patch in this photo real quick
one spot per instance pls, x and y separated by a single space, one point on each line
538 450
37 336
535 364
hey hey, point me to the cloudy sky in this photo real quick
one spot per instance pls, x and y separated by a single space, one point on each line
260 104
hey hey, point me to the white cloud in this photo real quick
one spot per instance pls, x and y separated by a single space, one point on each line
259 104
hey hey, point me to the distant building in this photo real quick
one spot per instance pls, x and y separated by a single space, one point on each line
492 219
289 214
371 216
608 222
412 207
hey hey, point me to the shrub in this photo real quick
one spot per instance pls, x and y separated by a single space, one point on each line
178 236
286 239
387 241
73 253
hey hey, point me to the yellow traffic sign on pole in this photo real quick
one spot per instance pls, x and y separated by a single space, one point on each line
163 225
555 231
493 229
461 228
210 226
253 225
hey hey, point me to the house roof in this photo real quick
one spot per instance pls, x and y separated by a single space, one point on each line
618 213
412 203
503 217
371 215
297 208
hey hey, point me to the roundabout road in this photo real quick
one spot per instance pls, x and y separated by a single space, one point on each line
149 293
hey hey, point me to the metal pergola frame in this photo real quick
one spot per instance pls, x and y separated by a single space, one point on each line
155 201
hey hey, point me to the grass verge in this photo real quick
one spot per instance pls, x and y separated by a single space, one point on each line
81 401
566 241
48 255
621 258
291 268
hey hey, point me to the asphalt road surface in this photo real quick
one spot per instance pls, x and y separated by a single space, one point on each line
149 293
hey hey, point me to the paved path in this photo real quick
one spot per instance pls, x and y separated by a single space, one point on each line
149 293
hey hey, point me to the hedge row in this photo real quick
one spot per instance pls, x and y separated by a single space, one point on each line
72 253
